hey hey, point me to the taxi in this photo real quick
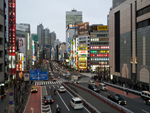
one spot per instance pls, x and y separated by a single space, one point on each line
34 89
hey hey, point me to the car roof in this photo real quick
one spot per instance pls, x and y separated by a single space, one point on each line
34 87
76 99
102 83
146 91
62 87
48 96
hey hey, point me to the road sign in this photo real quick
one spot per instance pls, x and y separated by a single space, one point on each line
10 102
26 77
38 74
11 94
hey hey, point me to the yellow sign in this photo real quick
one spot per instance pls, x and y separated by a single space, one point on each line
101 28
82 48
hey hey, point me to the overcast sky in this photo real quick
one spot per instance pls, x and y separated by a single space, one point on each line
52 13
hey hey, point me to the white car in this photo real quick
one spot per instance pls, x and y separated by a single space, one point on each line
62 89
76 103
64 74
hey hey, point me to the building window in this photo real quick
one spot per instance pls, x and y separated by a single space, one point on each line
1 41
1 54
143 23
143 11
1 28
1 67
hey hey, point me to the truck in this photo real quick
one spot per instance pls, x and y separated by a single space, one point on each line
74 79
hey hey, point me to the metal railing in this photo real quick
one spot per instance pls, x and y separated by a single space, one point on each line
88 105
121 108
123 88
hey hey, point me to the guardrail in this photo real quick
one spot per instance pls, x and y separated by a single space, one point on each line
106 100
123 88
88 105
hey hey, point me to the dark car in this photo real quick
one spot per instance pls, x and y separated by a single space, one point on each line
117 98
93 87
48 99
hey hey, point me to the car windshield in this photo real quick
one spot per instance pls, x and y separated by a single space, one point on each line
94 86
103 85
78 102
62 88
48 97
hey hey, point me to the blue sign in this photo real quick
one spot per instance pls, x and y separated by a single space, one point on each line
38 74
10 102
11 94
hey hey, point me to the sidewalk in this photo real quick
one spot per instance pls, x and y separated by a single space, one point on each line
5 102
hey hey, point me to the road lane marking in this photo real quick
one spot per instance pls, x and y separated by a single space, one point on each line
63 101
145 111
49 87
83 106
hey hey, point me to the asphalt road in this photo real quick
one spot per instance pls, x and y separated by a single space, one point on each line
136 105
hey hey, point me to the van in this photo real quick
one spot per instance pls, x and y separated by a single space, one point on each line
76 103
102 86
145 95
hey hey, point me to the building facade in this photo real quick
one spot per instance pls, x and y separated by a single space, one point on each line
40 28
2 46
52 38
129 36
99 49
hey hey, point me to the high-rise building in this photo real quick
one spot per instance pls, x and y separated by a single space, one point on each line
2 46
46 32
73 16
39 33
129 36
52 38
99 49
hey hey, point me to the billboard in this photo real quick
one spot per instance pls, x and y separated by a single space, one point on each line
83 29
72 26
22 45
99 28
71 19
82 48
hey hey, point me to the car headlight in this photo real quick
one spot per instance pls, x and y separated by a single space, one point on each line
148 100
125 101
94 89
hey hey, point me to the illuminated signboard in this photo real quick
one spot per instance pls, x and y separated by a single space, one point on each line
83 29
82 48
99 28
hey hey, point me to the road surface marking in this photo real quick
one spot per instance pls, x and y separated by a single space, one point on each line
124 93
83 106
49 87
145 111
32 109
63 101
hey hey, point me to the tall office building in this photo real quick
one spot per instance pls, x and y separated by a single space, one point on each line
73 16
39 34
46 32
129 26
2 46
52 38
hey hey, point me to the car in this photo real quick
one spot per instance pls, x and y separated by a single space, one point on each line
145 95
52 76
117 98
76 103
147 101
102 86
48 99
91 82
93 87
62 89
34 89
54 79
76 81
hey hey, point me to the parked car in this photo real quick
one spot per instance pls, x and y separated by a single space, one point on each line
48 99
76 103
117 98
93 87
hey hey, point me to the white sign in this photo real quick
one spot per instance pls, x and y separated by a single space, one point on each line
22 27
26 77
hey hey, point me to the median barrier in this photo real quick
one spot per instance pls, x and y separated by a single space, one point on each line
88 105
106 100
123 88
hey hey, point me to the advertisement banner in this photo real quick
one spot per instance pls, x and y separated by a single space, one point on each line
82 48
22 45
83 29
101 28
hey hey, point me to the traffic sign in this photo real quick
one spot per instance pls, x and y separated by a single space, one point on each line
26 77
11 94
10 102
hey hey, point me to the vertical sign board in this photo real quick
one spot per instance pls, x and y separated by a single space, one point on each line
12 35
38 74
26 77
11 102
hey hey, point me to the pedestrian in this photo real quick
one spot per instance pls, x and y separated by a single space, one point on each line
2 98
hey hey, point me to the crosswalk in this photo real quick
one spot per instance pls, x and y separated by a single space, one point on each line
59 81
